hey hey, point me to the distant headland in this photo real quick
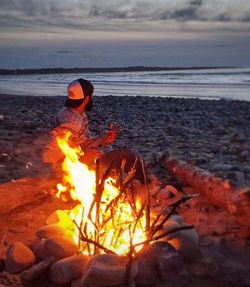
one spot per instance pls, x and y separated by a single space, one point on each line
98 70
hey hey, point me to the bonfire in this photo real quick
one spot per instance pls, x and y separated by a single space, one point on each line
104 239
109 213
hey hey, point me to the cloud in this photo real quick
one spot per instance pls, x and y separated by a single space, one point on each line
81 10
114 18
40 33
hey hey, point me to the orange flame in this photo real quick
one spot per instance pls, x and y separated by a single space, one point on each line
116 224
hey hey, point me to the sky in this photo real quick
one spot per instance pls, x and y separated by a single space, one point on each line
119 33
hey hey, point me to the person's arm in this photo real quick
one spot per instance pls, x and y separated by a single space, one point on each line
105 140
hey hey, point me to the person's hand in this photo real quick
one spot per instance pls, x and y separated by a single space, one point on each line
110 137
112 134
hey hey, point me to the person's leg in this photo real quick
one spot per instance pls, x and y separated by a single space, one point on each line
89 157
117 156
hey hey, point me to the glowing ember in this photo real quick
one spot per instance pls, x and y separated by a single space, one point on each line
112 220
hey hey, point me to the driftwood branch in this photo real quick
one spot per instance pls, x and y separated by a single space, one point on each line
98 198
217 191
147 196
164 234
131 173
81 225
174 206
130 260
99 190
90 241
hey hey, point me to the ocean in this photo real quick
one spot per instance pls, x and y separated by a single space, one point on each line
230 83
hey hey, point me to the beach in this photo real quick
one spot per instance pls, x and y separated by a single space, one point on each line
166 200
211 134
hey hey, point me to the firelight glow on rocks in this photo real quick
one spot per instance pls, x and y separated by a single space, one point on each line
115 225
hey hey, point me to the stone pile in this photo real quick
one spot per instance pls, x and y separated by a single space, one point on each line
56 254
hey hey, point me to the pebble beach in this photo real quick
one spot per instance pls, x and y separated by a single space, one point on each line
211 134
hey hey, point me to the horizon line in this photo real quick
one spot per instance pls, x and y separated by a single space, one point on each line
26 71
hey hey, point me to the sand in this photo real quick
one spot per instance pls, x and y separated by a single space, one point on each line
213 135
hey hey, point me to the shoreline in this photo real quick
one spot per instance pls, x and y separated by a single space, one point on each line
203 84
42 71
213 135
134 96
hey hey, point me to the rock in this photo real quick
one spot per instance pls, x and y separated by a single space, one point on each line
60 217
153 180
170 224
7 147
61 247
52 230
163 194
68 269
153 190
177 218
171 189
235 168
224 148
246 169
56 246
227 157
76 283
186 242
216 167
19 257
245 154
188 190
237 178
40 251
36 271
5 157
227 167
107 270
2 262
158 264
174 130
200 160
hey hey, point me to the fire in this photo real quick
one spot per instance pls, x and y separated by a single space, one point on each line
112 220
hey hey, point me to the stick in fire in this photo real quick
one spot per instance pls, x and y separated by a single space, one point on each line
130 226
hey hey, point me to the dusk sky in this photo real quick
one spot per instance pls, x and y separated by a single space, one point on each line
115 33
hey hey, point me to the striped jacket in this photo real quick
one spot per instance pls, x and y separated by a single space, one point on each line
77 124
66 120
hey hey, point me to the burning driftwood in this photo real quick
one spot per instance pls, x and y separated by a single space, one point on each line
219 192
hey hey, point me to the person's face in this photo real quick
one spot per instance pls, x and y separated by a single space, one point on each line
89 105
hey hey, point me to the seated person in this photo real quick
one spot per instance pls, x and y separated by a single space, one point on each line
72 117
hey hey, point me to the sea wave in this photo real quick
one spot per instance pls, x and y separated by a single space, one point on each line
212 83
